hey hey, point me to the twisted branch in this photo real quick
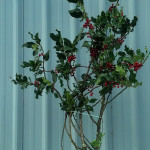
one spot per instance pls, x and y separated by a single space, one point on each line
72 141
63 132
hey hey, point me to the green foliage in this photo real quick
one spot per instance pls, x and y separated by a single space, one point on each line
21 80
97 143
110 65
33 65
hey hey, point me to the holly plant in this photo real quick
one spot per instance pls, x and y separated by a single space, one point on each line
112 65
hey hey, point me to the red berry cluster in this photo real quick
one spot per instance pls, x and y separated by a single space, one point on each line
111 8
94 52
121 40
121 13
101 68
90 89
41 54
136 66
112 83
56 70
88 24
36 83
105 47
53 88
109 66
89 36
91 94
71 58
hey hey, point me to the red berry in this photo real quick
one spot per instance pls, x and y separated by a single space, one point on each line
91 94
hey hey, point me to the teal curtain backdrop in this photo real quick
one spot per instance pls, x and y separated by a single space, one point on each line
30 124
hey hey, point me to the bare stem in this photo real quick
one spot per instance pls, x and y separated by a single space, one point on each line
70 125
79 128
75 128
69 86
76 121
72 141
75 79
103 106
108 97
97 102
63 132
88 70
46 71
91 117
81 132
58 94
116 96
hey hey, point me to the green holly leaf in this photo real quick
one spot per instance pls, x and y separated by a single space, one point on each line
79 37
134 21
37 39
128 51
54 77
137 84
35 52
36 59
46 56
47 82
95 144
54 37
113 0
61 56
76 13
120 70
21 80
86 44
93 100
73 1
132 77
31 35
67 42
35 46
38 92
89 108
28 44
101 78
122 53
